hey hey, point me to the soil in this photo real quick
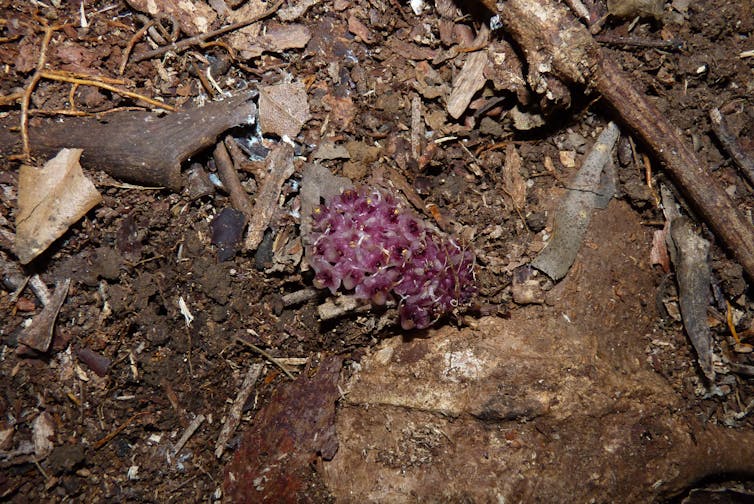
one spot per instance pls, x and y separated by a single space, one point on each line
142 252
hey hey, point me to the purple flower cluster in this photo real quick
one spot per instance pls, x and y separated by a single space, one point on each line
365 241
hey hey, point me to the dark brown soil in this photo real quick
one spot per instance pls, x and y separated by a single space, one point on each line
135 255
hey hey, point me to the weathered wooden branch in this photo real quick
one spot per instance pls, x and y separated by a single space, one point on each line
136 146
556 45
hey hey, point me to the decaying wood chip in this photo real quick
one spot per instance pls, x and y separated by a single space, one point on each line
337 307
43 432
693 277
280 168
513 182
141 147
236 409
275 38
575 211
39 334
274 461
469 81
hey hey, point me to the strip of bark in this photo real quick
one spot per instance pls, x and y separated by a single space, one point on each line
693 276
556 45
575 211
280 166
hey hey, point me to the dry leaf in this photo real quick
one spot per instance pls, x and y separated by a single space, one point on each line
283 109
50 200
692 273
575 210
276 38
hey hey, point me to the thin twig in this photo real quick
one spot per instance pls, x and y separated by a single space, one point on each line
130 46
729 141
236 409
58 76
266 356
102 442
668 45
229 177
26 98
179 46
195 423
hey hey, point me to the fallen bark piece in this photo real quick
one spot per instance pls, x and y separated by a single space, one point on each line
567 51
575 211
39 334
43 432
693 277
469 81
141 147
280 168
273 463
50 200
